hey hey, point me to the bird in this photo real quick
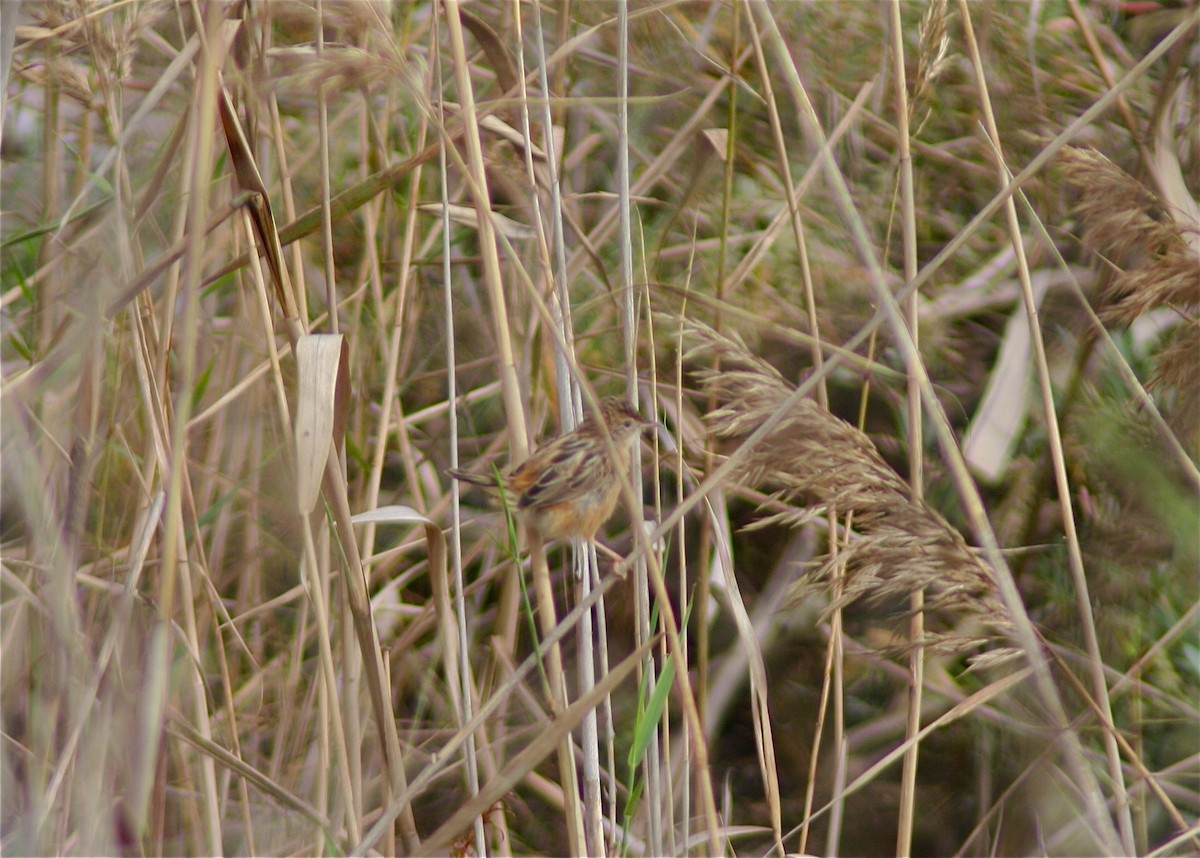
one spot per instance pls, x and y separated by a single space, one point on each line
570 486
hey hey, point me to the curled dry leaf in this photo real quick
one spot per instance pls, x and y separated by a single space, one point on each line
323 400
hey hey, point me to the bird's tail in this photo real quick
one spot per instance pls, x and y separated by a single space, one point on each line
488 480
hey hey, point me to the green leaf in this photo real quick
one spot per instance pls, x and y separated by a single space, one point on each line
648 722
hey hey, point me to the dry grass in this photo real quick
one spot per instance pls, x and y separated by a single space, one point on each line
813 462
1152 251
266 278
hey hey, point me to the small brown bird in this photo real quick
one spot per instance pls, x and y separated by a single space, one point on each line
570 486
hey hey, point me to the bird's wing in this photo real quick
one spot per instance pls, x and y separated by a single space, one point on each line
560 474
